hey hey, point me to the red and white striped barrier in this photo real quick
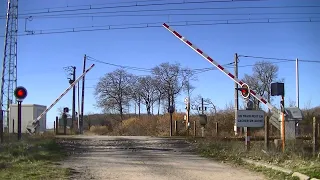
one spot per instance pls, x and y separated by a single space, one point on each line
220 67
35 123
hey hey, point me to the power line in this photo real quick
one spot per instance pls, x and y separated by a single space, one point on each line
197 70
90 7
167 9
172 14
181 23
279 59
117 65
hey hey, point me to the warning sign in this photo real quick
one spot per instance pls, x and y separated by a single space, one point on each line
250 118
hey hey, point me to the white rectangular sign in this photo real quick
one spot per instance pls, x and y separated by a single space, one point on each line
250 118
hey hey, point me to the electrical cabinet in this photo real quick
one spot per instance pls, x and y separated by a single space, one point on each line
29 112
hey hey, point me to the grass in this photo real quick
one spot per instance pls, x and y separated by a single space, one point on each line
294 158
32 158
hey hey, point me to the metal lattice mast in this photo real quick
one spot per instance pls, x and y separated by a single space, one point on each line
9 63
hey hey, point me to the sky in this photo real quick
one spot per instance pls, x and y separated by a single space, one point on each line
42 57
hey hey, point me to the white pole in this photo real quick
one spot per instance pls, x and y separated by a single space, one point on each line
297 82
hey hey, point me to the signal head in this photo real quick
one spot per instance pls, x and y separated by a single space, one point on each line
245 91
20 93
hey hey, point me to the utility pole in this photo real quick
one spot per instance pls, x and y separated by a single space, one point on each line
236 95
73 97
297 93
82 95
297 82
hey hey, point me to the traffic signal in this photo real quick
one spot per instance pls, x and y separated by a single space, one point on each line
245 91
20 93
66 110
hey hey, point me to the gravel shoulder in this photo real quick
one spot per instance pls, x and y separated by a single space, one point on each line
143 158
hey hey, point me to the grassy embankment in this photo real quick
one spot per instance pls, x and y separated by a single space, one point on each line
32 158
297 157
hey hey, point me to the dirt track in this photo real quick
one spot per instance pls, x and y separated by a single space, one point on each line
144 158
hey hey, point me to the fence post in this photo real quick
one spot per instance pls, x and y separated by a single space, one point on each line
194 129
217 129
57 125
176 127
12 126
266 133
54 126
318 124
314 137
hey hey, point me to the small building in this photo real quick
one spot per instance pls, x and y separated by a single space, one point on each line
29 112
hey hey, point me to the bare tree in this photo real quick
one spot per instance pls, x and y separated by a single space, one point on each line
147 91
172 77
264 73
135 94
160 91
113 91
188 76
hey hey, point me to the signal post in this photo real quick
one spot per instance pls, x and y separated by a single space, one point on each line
20 93
249 117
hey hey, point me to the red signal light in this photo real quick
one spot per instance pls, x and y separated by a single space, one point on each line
20 93
245 91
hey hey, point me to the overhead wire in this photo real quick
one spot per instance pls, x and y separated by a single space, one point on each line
171 14
90 7
170 9
201 70
178 23
278 59
197 70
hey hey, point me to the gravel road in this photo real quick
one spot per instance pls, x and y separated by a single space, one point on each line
143 158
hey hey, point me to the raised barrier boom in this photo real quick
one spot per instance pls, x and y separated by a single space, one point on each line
32 125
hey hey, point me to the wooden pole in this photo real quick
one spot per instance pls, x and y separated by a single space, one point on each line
266 133
54 126
314 137
283 128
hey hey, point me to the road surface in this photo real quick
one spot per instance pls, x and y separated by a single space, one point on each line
144 158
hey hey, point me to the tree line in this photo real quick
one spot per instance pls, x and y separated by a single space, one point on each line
118 89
